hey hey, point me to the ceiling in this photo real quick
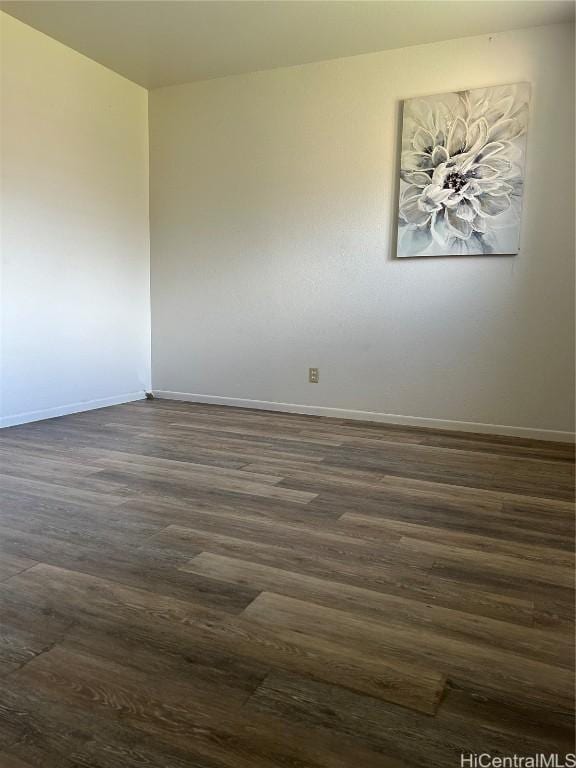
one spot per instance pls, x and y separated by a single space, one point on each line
164 42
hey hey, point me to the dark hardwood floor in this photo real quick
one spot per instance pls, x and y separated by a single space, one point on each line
190 586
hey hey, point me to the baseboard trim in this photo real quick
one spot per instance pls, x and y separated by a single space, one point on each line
533 433
66 410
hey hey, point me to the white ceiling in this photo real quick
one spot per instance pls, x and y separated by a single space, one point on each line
163 42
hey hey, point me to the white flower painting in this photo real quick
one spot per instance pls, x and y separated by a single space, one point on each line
462 172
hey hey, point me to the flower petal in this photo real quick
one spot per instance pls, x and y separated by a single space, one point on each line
423 141
438 227
471 246
416 161
457 137
479 224
493 205
472 189
516 186
413 214
489 150
501 164
436 193
442 116
415 240
477 135
439 155
494 167
415 178
454 199
494 187
456 226
500 108
482 171
506 130
465 211
412 192
439 175
463 163
420 111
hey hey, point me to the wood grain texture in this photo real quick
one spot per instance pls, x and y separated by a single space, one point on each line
9 761
192 586
11 564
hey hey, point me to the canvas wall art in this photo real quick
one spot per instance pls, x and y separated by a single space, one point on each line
462 172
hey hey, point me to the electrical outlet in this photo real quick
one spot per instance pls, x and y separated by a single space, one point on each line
313 375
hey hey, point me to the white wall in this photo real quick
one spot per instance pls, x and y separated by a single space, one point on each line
272 218
75 236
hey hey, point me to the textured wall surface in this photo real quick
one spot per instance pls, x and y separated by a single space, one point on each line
75 232
273 204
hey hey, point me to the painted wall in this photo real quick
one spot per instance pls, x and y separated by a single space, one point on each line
272 218
75 317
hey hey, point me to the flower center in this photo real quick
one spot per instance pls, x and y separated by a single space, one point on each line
455 181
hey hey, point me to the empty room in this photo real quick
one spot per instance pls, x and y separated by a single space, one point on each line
287 349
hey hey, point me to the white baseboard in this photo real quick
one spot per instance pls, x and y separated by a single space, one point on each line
65 410
533 433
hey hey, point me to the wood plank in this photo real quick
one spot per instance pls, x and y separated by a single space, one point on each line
10 761
175 715
493 670
157 482
370 526
70 592
11 564
547 504
193 586
398 576
494 562
405 735
391 609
